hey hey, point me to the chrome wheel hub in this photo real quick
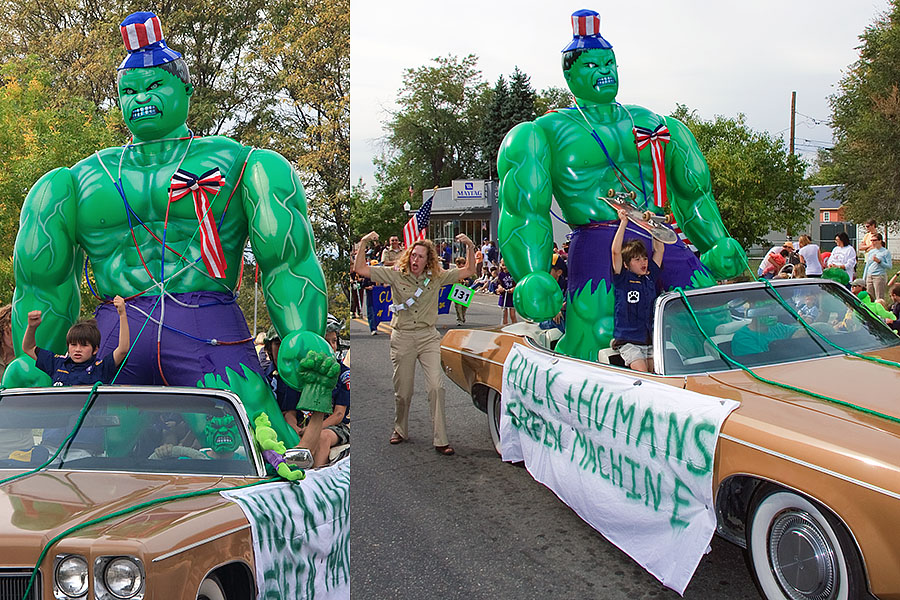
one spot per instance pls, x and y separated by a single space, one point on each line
802 557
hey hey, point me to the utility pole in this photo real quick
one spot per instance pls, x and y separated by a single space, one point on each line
793 117
791 143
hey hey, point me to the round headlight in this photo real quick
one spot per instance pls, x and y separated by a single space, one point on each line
72 576
122 578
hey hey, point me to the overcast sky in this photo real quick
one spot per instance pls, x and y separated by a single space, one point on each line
718 57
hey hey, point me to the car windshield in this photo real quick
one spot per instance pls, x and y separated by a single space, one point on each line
164 432
755 326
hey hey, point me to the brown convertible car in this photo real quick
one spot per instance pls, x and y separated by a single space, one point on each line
807 473
135 446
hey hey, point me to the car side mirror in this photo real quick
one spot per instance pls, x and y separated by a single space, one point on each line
299 457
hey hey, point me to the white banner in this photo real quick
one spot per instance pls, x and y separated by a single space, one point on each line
301 534
633 457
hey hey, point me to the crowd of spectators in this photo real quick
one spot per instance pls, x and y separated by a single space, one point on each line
490 277
872 256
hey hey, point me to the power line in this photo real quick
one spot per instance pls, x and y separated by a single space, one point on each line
816 121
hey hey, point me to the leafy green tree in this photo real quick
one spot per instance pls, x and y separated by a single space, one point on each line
302 64
41 127
495 123
521 98
758 185
551 98
431 138
372 212
866 123
510 104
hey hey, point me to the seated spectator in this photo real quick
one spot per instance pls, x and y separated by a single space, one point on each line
809 310
763 329
895 308
336 426
480 284
492 285
559 272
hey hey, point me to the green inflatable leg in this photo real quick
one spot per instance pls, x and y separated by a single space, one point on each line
257 397
589 323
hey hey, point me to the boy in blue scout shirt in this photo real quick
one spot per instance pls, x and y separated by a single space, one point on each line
634 283
80 366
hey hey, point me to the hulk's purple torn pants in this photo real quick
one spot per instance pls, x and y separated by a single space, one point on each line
590 258
186 354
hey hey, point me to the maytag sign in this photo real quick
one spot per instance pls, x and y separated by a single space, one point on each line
468 189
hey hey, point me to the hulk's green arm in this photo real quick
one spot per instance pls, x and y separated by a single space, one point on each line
282 240
690 188
524 230
46 261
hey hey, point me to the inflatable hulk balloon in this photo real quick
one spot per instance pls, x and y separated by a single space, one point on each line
163 221
580 153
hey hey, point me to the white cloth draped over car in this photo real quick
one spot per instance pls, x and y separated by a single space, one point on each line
633 457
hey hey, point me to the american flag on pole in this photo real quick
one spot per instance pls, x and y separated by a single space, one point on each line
416 227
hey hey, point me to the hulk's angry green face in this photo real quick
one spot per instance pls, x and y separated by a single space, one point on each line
594 76
222 434
154 102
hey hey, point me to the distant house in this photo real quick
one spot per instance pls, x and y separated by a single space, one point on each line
828 218
826 221
469 206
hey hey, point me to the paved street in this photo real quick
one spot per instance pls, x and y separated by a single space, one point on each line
470 526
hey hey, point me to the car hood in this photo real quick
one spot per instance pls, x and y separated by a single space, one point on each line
849 380
37 508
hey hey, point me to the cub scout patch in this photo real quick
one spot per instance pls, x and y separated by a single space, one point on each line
634 296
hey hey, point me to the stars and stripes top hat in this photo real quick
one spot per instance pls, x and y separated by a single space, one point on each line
586 31
143 37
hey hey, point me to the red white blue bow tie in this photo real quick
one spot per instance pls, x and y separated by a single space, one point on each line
184 183
655 138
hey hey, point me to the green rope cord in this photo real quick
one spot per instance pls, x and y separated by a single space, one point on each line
129 510
777 383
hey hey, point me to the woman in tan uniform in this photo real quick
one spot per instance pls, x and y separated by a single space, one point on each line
414 293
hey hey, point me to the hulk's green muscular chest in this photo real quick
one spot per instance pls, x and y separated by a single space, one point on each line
580 169
118 243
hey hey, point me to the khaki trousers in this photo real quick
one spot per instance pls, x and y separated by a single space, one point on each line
423 345
875 285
